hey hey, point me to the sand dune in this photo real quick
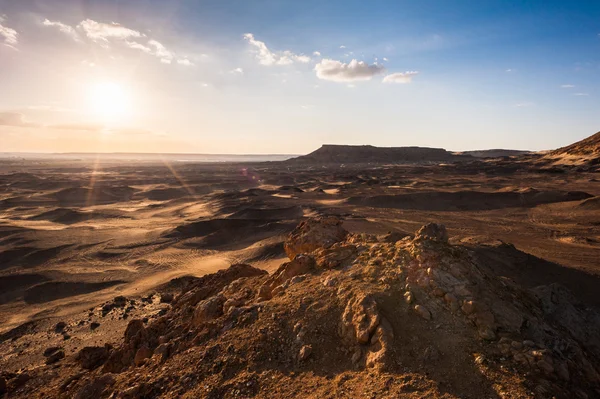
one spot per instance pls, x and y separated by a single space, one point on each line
50 291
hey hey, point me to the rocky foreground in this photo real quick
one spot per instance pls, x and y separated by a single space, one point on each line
350 315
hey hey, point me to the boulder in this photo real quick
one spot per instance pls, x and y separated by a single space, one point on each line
92 357
432 232
313 234
208 309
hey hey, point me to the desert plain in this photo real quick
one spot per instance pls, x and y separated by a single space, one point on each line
88 245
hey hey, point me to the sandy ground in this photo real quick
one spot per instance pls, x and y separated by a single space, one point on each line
75 234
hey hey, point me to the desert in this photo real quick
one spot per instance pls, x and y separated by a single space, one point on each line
348 272
276 199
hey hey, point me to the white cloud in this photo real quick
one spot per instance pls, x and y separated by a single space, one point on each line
385 59
9 35
509 70
342 46
581 94
567 86
161 51
525 104
101 32
138 46
239 71
338 71
400 77
185 62
268 57
317 53
64 28
165 60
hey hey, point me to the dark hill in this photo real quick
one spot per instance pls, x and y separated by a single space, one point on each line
330 153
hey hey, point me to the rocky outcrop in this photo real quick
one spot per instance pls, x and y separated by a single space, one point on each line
362 305
314 234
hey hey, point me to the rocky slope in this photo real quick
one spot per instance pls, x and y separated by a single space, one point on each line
350 315
368 154
584 152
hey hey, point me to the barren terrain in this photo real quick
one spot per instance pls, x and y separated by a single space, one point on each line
75 235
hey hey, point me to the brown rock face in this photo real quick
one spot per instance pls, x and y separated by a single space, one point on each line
208 310
301 264
433 232
314 234
141 355
92 357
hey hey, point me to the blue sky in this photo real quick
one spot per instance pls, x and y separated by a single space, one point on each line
288 76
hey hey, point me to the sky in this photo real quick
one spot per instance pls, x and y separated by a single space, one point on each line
278 76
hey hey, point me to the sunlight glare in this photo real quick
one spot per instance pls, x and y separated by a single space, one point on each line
109 101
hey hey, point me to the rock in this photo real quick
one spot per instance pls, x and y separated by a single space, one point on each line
394 236
141 355
546 367
97 388
164 351
19 380
423 312
408 297
92 357
432 232
208 309
360 319
304 353
378 355
314 234
60 327
94 325
134 328
49 351
3 386
302 264
166 298
335 256
120 301
356 356
55 357
468 307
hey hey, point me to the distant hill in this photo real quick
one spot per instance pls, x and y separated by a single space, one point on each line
584 152
495 153
330 153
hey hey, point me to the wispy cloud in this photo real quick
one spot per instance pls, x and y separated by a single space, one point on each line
105 34
400 77
580 94
567 86
317 53
16 119
524 104
238 71
64 28
101 32
8 35
161 51
268 57
185 62
355 70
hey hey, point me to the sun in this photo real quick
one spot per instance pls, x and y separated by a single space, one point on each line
109 101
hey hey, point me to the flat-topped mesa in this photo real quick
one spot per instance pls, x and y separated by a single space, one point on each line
331 153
